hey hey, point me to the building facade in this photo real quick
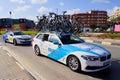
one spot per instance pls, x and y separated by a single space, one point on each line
24 24
95 17
115 15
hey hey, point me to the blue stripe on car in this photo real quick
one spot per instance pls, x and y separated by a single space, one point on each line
67 49
107 52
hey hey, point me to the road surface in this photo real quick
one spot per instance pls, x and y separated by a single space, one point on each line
43 68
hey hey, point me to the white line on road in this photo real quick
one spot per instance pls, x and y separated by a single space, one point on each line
106 43
91 41
19 65
8 54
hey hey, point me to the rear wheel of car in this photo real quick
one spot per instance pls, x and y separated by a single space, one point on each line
14 42
5 41
37 50
73 63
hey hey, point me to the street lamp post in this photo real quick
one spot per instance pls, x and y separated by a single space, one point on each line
10 14
10 18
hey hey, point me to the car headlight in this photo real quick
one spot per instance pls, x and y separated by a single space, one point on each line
90 58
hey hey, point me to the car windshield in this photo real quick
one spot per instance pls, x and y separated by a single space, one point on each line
70 39
18 33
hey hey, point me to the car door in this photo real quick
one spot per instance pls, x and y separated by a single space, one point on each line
38 41
42 42
45 44
10 37
54 45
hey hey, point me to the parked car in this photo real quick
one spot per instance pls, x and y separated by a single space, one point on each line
17 37
72 51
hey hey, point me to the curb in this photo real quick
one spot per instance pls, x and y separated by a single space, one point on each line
34 75
102 42
13 64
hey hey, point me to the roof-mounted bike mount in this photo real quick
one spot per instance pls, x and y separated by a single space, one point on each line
58 23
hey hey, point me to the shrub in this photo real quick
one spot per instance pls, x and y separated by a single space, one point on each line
30 32
2 32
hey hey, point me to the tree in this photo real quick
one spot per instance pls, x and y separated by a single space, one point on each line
93 26
118 18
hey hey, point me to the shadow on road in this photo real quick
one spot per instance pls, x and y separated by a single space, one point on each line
25 45
21 45
112 73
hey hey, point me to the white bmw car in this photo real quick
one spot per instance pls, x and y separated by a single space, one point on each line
17 37
72 51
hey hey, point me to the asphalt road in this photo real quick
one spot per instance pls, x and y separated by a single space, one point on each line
44 68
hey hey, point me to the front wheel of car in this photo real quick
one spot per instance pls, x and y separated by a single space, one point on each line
73 63
37 50
14 42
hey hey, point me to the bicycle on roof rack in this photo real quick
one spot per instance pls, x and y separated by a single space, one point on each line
59 23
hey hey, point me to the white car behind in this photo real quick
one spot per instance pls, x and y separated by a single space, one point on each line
17 37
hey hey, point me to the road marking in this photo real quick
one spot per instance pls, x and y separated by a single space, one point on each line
8 54
92 78
19 65
91 41
107 43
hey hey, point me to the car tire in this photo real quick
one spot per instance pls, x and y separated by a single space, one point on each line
37 50
14 42
74 63
5 41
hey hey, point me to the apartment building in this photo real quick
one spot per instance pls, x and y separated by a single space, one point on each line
115 15
95 17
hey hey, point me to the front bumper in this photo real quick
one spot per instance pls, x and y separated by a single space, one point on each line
93 66
24 41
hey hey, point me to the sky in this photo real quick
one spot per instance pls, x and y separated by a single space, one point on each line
29 9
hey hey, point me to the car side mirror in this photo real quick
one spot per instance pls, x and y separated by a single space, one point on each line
55 42
11 35
59 45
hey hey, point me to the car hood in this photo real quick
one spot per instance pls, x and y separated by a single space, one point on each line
92 48
81 48
22 36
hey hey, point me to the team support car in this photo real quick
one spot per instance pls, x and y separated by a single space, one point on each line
72 51
17 37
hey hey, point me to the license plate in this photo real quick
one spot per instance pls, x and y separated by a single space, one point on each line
106 63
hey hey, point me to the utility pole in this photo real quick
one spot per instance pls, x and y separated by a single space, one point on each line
10 18
10 14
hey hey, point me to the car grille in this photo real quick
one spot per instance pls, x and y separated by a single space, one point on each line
96 67
27 39
103 58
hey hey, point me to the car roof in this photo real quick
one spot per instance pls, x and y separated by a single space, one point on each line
57 33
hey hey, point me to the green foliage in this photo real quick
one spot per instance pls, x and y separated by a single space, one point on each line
30 32
93 26
115 35
118 18
26 32
2 32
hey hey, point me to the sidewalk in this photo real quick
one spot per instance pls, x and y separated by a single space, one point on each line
102 41
10 69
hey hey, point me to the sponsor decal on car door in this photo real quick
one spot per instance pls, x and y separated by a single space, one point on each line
10 38
51 48
53 45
